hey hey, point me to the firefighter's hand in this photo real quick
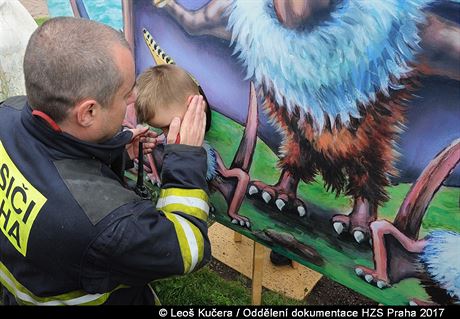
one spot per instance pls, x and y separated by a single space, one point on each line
192 128
144 135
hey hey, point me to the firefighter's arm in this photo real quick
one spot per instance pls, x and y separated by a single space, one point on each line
145 243
184 201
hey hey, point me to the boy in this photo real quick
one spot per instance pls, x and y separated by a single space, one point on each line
164 92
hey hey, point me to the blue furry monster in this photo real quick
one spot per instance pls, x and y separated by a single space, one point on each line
335 77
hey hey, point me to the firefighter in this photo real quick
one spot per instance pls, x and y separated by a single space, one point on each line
71 232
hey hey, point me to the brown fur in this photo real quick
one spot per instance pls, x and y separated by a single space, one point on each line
355 159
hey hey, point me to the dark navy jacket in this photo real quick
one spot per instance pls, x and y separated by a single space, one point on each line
72 234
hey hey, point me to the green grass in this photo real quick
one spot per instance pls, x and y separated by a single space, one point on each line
205 287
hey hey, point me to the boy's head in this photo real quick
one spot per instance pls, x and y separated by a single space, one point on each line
163 93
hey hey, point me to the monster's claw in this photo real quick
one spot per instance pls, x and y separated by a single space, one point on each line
280 204
338 227
372 277
340 223
266 196
359 236
252 190
368 278
241 221
279 198
382 284
301 210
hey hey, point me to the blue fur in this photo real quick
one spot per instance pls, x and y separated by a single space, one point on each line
441 256
212 163
343 61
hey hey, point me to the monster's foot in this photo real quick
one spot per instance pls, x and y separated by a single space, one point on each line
357 222
278 197
345 223
234 217
240 220
372 277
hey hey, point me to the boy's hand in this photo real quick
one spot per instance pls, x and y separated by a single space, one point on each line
191 130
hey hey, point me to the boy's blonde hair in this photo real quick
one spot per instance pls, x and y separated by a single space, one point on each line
160 87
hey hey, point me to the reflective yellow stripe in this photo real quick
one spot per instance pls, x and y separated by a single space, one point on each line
190 240
199 241
193 202
195 241
193 211
198 193
190 201
25 297
183 243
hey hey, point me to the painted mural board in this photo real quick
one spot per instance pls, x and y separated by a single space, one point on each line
336 131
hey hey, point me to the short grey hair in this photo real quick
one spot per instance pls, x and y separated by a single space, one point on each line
69 59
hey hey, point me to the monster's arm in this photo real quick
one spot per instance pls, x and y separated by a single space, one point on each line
413 209
208 20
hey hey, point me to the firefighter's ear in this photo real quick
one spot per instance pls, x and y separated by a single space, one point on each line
87 111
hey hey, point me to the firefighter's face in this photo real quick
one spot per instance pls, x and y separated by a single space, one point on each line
113 115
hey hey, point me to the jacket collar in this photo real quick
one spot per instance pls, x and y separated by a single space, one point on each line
66 146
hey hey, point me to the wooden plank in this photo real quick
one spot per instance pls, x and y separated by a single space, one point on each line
257 273
295 283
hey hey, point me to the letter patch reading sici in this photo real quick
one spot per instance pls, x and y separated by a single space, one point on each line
20 203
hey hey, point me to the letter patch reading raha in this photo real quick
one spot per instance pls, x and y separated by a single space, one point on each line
20 203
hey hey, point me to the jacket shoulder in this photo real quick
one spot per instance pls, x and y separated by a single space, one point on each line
98 195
